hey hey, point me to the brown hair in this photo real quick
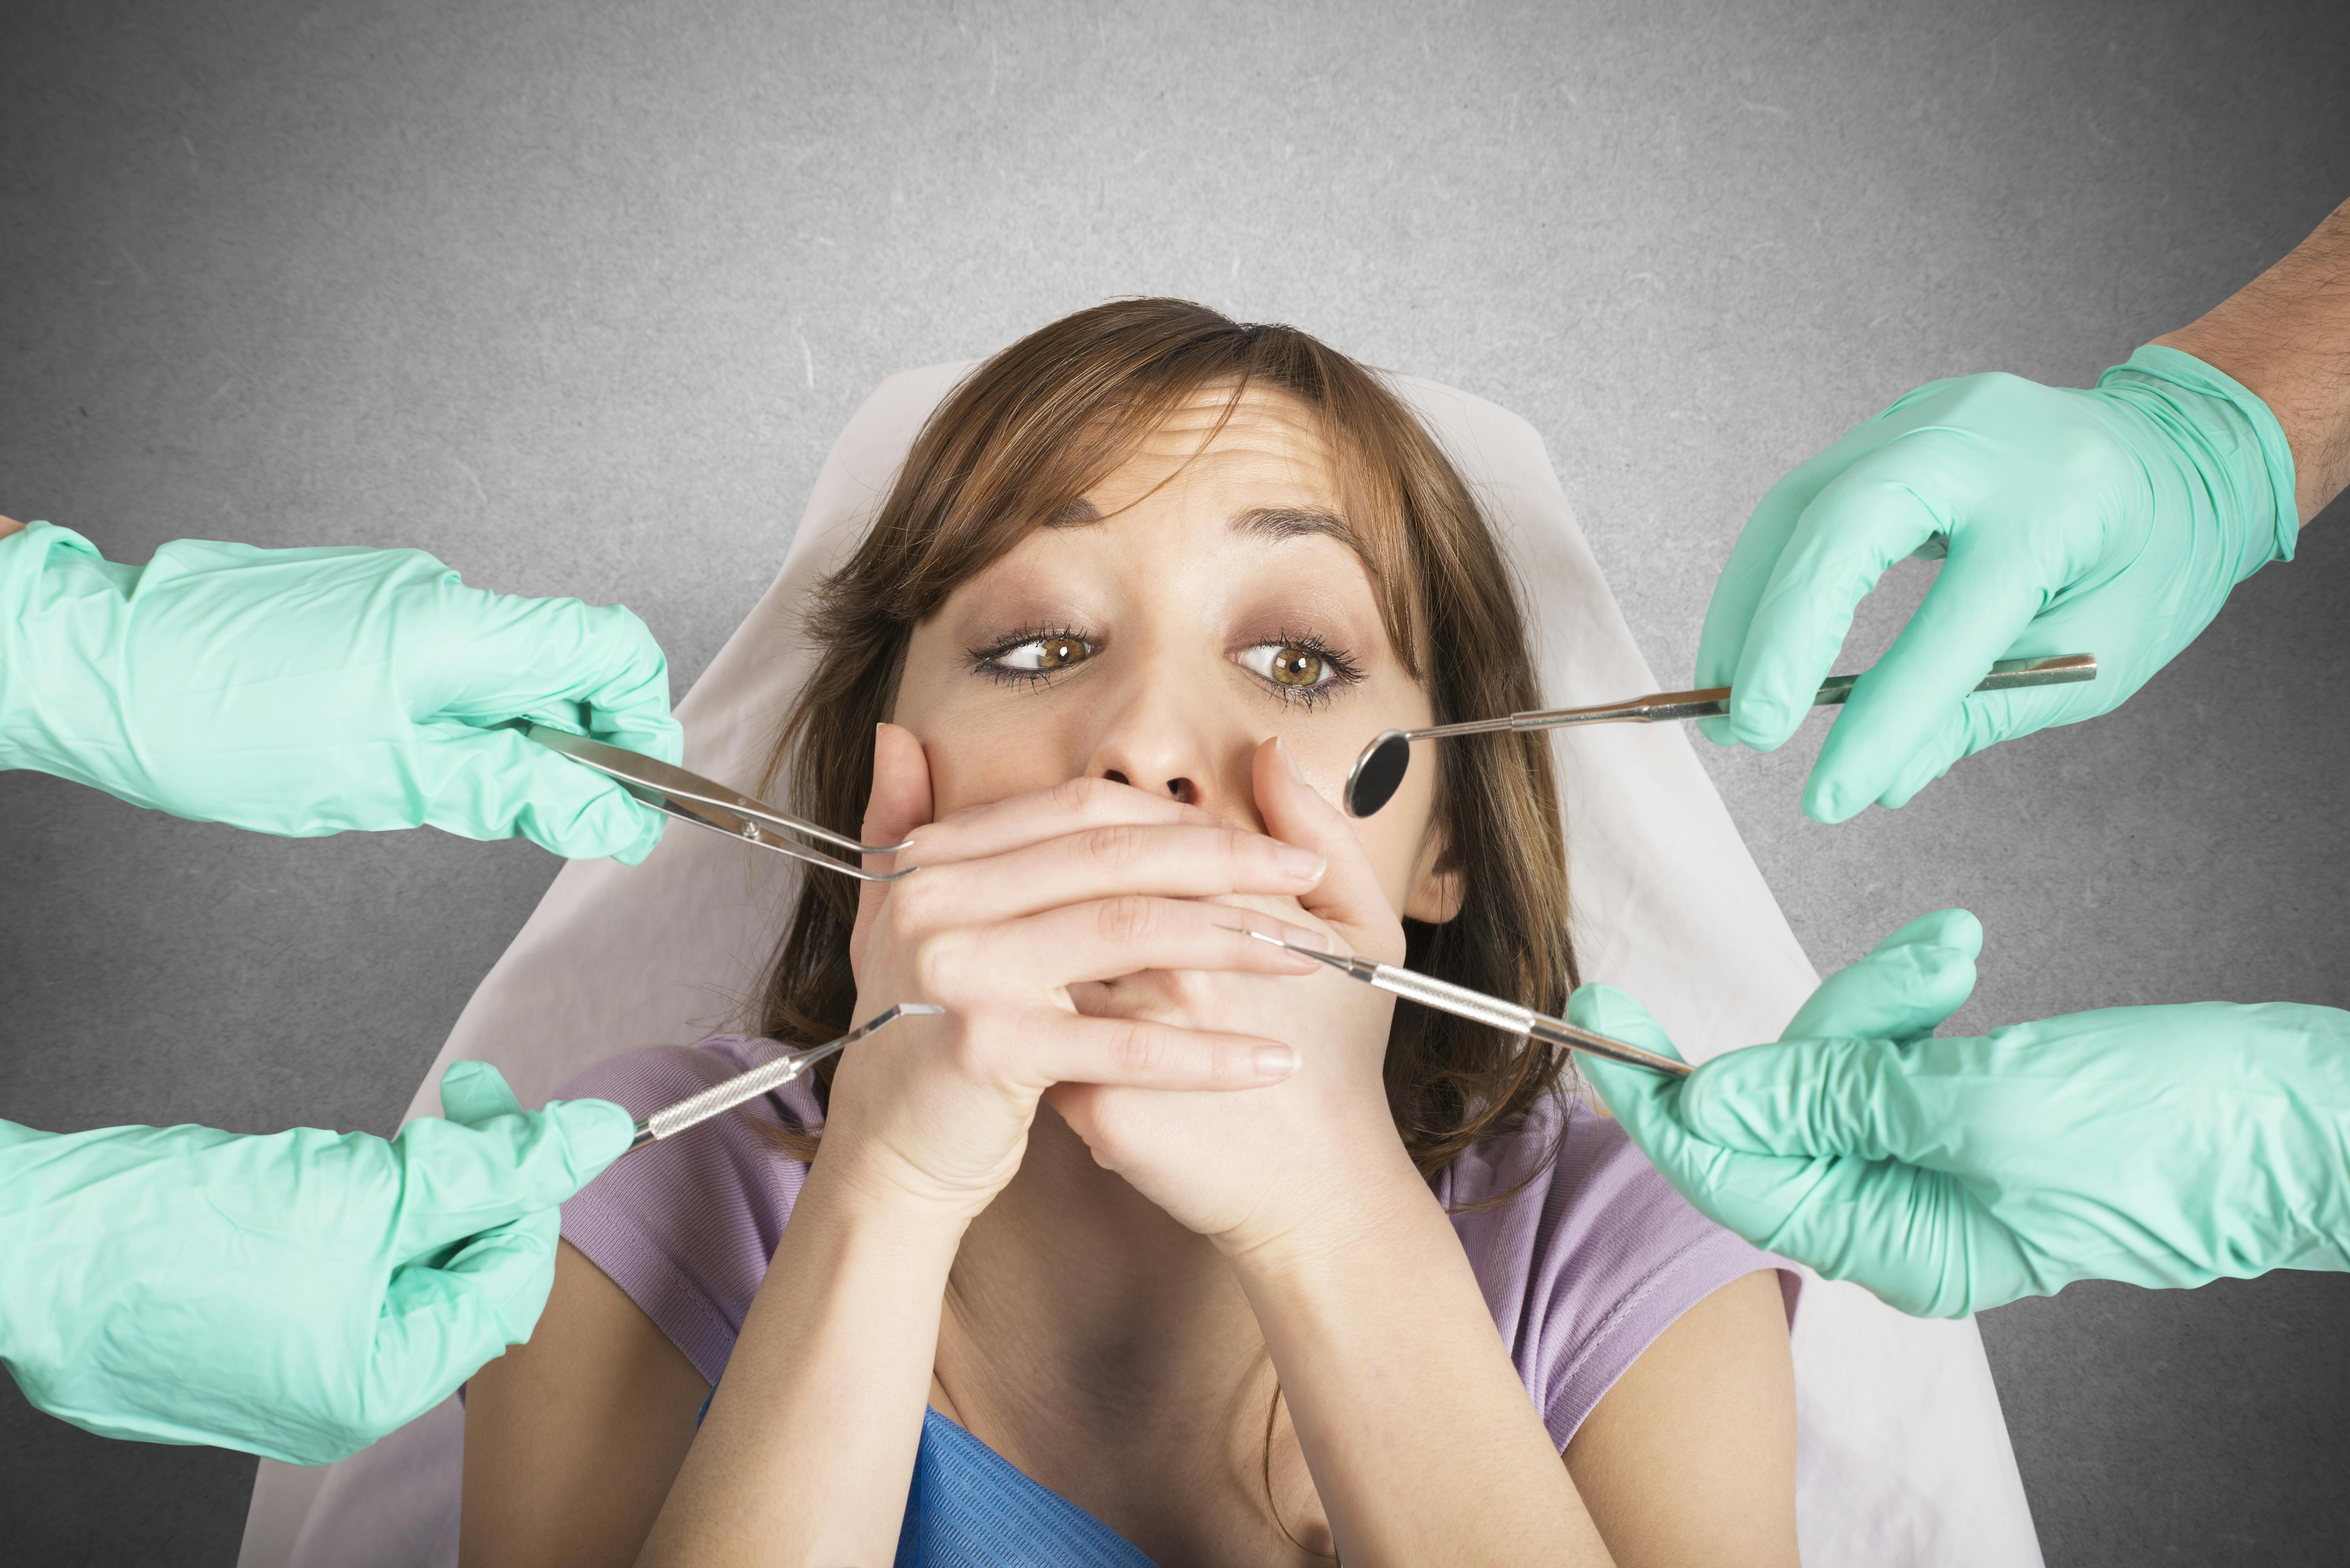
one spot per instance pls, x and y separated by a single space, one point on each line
1031 430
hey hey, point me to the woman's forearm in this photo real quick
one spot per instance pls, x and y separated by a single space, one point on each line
2286 335
1422 1440
809 1444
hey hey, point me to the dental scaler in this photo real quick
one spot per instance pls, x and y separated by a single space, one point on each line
1478 1007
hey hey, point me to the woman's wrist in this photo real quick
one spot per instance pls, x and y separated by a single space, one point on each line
1344 1223
852 1190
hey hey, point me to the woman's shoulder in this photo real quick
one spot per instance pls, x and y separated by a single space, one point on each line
1568 1170
1584 1252
685 1226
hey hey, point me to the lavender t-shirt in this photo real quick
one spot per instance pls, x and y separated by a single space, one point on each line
1583 1268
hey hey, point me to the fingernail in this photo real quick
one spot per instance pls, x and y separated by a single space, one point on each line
1274 1062
1305 864
1288 761
1304 938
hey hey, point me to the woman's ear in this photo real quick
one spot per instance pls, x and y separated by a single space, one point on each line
1437 886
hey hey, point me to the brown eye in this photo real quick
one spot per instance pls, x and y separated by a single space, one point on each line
1286 664
1046 653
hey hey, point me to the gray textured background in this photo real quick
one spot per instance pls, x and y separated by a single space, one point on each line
576 295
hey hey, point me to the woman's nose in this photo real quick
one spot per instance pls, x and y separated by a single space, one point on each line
1159 739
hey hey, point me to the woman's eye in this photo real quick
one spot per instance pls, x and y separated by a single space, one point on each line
1286 664
1046 653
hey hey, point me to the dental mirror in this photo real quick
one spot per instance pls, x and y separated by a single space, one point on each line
1380 772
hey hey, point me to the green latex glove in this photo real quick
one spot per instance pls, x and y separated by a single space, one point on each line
2158 1145
308 691
298 1295
2111 521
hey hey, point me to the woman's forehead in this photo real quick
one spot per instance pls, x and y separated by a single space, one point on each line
1264 437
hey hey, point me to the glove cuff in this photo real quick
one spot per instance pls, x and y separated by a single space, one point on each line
60 600
2241 448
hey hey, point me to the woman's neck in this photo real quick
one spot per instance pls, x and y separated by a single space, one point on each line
1078 1311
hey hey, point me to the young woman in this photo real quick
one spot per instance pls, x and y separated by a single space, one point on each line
1161 1245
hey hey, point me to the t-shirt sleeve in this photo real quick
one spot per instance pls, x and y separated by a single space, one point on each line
1592 1260
685 1226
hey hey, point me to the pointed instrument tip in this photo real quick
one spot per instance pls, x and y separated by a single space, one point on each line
1359 968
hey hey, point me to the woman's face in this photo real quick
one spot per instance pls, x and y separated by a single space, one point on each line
1157 632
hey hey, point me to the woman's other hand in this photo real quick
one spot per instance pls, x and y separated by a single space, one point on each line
1016 903
1321 1147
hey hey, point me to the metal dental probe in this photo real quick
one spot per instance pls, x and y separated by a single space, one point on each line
719 1098
1475 1005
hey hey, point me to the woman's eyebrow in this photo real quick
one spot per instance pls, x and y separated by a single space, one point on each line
1295 522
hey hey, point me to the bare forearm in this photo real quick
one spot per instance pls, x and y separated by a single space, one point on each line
1423 1445
2286 335
809 1444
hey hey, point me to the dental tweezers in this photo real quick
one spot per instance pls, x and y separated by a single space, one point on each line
1479 1008
691 798
719 1098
